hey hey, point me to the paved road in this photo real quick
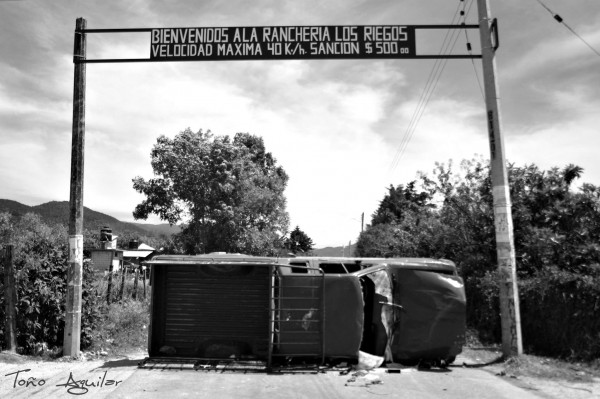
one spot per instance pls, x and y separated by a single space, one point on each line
454 383
122 379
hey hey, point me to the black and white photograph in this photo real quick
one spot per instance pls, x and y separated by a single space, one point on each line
300 199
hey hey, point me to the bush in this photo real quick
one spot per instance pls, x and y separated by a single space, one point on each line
558 312
40 259
483 306
92 305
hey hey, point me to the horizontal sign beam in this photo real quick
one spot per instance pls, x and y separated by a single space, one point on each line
282 43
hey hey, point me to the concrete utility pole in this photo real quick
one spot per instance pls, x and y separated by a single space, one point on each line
72 337
512 344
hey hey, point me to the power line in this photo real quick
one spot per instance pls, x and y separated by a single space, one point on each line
433 79
423 100
559 19
464 14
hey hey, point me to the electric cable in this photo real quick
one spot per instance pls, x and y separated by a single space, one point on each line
560 20
469 49
422 99
433 79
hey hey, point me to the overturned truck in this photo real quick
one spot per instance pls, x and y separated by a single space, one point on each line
220 306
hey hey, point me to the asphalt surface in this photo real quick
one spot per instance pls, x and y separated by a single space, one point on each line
410 383
122 378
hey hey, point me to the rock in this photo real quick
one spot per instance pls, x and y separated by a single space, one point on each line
39 348
57 352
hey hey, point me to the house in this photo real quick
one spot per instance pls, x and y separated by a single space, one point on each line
136 254
109 254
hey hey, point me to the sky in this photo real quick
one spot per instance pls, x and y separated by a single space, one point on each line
341 129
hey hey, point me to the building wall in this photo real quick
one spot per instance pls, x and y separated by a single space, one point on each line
101 259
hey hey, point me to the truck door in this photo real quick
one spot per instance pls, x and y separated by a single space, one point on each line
379 313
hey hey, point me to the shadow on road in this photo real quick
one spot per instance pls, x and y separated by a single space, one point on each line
122 363
473 364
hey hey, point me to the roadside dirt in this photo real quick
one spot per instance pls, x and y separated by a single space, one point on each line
91 375
549 378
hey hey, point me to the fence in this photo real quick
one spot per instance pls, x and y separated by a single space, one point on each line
124 283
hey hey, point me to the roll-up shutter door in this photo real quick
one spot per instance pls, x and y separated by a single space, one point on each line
212 311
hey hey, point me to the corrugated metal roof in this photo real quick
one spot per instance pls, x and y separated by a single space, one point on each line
136 253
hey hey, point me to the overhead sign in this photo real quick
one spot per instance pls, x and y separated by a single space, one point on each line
282 42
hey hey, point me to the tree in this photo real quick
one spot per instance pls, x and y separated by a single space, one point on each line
400 225
299 241
229 193
557 236
465 214
553 223
398 202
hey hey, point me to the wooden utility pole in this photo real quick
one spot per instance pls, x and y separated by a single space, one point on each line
72 337
143 280
123 272
110 282
362 222
135 282
10 301
512 344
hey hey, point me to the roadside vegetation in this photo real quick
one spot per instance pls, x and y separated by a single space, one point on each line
124 329
40 261
540 368
449 214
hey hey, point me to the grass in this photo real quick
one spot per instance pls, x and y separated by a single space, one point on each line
552 369
124 325
101 287
124 328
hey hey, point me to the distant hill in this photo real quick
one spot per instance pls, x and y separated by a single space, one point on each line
158 229
57 212
347 251
14 207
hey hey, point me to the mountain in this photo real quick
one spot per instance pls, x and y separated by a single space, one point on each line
14 207
158 229
347 251
55 212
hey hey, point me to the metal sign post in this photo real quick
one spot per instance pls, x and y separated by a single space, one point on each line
505 247
298 43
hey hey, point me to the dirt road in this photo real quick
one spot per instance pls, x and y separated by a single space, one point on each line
121 378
